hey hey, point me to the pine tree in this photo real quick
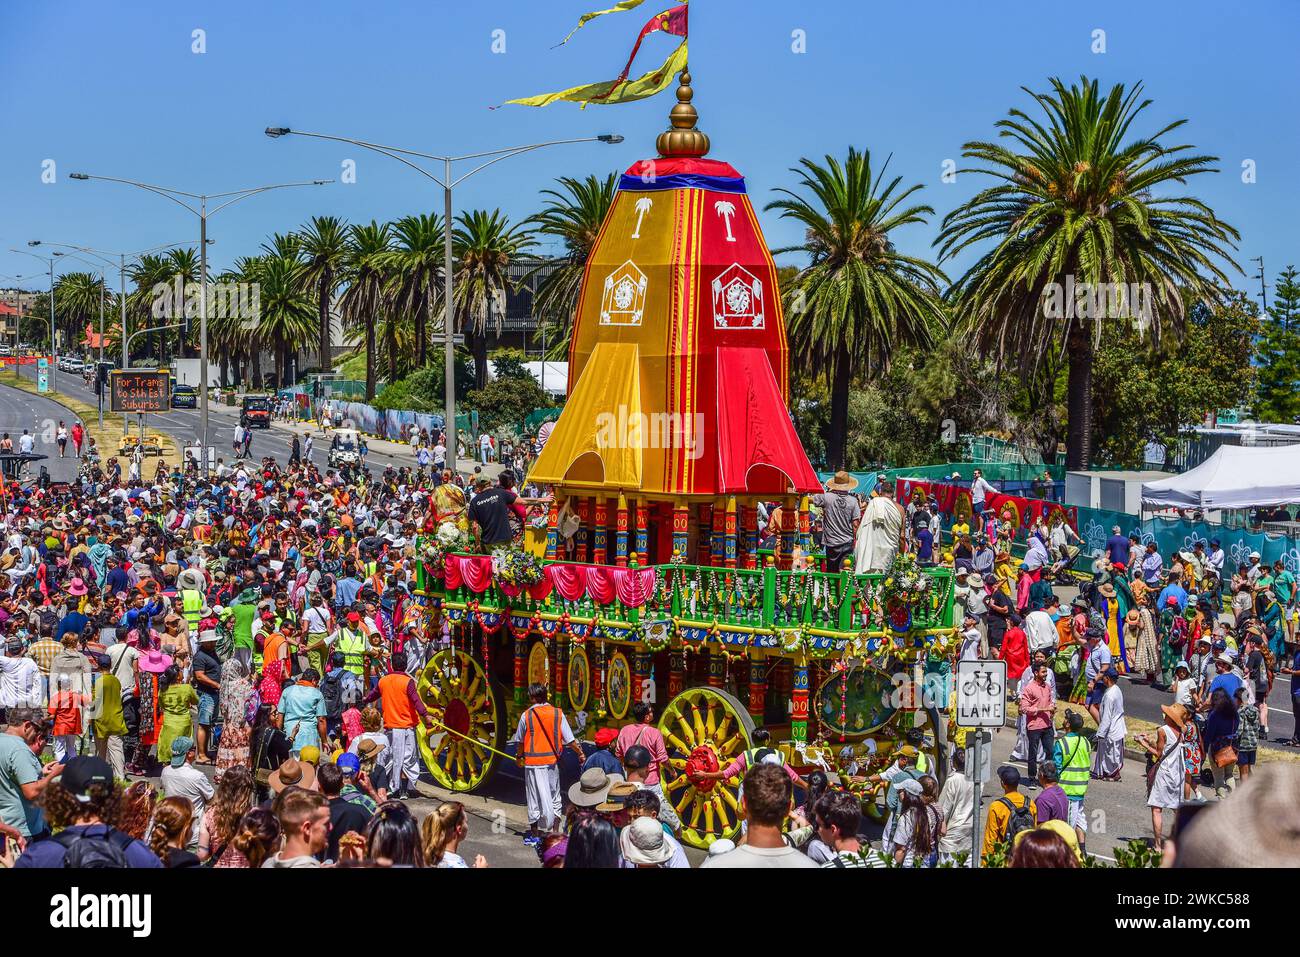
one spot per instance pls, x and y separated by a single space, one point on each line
1277 353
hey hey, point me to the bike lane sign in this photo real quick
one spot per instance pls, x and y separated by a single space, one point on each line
981 693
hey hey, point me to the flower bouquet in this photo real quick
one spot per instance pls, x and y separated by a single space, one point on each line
514 568
434 550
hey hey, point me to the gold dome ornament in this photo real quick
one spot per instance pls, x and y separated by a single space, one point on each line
683 139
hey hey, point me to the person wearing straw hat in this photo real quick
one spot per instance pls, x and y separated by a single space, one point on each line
1165 766
592 788
840 515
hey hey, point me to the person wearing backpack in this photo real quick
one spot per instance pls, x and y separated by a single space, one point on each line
1009 814
84 802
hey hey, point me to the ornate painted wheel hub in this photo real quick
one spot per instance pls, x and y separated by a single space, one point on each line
468 715
705 729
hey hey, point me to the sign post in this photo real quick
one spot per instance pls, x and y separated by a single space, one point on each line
43 374
981 703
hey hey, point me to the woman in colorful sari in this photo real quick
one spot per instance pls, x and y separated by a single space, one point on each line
236 689
449 504
1113 609
1140 634
1271 618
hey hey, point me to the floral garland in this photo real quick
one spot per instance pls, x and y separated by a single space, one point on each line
906 584
434 551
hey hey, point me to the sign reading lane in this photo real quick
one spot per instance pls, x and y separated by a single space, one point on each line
140 390
981 694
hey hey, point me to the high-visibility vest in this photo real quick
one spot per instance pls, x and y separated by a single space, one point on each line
756 756
1076 762
541 742
398 710
191 604
353 646
922 763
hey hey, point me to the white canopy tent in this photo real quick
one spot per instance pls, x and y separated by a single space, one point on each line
1233 477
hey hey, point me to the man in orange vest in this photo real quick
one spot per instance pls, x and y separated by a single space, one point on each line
403 710
542 734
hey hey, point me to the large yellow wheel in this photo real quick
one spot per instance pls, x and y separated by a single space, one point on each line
468 716
707 728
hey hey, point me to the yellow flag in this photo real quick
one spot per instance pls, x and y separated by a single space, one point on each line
617 8
647 85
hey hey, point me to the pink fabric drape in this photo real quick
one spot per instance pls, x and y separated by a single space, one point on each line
474 571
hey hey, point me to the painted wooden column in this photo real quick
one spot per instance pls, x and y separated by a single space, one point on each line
681 528
641 526
552 530
717 541
620 531
584 518
787 536
600 531
596 652
805 526
521 671
757 686
750 518
560 670
717 666
799 702
729 533
703 545
676 673
641 662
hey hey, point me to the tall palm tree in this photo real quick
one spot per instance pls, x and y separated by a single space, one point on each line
483 244
858 297
288 317
416 266
324 249
1076 205
231 335
77 301
183 264
145 273
365 274
574 217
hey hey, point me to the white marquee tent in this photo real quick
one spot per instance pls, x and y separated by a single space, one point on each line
1233 477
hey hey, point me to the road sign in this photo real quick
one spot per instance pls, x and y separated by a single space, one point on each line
43 375
140 390
981 694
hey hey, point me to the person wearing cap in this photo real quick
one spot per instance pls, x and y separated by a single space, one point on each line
1254 569
1111 728
182 779
840 514
604 757
1098 659
489 514
1072 758
1225 677
206 671
83 803
351 641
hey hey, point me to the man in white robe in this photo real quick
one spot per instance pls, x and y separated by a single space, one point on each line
880 534
1111 729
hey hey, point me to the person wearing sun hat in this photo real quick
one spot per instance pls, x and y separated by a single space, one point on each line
592 787
644 844
840 514
1165 748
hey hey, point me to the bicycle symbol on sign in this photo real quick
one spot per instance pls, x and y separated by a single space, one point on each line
981 683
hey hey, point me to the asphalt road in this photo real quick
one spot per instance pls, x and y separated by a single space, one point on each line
21 410
183 424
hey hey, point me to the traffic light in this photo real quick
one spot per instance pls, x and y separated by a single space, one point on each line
101 377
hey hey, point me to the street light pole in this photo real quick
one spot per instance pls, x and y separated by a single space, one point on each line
447 184
202 212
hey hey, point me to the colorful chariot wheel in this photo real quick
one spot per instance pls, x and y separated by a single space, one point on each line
705 729
468 715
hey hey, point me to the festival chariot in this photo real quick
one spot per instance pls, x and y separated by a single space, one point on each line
653 585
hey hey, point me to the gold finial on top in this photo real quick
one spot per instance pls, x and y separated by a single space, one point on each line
683 139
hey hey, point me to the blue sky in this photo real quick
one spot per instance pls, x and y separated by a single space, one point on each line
114 89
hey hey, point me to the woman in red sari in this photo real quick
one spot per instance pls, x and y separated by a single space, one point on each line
1014 650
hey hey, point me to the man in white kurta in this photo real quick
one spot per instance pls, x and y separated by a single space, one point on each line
880 535
536 735
1111 729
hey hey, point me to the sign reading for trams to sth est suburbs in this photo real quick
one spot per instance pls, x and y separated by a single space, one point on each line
140 390
981 694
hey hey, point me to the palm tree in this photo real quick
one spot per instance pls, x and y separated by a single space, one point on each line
231 335
416 267
365 275
324 248
77 301
574 217
483 244
146 273
288 317
858 298
1075 206
182 264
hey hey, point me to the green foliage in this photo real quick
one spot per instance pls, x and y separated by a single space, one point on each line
1277 352
422 390
1148 392
1139 853
509 364
1000 856
505 402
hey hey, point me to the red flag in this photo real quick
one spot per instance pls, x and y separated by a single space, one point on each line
669 21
